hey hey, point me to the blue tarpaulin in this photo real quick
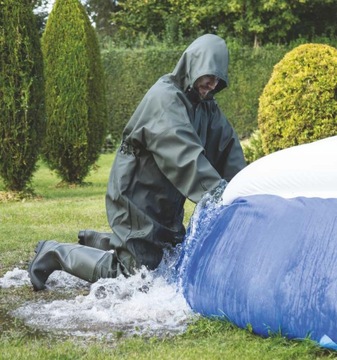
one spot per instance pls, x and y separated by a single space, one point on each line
268 262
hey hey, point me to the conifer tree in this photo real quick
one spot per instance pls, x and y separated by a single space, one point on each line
21 94
75 92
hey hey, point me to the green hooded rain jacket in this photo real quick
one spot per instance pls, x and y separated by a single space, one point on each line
175 146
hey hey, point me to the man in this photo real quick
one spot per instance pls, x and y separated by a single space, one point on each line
177 145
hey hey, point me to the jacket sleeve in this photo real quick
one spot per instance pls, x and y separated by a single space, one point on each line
180 157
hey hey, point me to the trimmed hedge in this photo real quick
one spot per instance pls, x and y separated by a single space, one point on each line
22 120
75 92
130 73
299 103
249 72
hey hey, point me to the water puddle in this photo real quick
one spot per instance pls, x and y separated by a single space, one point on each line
148 303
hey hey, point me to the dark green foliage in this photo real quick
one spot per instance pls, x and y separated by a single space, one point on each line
317 18
251 22
249 72
130 73
21 93
100 12
299 103
75 92
252 147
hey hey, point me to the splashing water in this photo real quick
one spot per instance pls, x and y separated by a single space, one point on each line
200 224
148 303
57 281
143 304
14 278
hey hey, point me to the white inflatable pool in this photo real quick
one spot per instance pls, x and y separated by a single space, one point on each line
308 170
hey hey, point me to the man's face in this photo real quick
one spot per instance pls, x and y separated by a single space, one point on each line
205 84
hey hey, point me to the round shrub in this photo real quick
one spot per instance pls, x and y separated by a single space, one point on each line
299 103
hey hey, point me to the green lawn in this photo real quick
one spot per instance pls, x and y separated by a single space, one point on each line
59 213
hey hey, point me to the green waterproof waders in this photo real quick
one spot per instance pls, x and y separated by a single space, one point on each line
84 262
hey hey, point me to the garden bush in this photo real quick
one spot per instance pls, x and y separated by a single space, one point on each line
22 120
75 92
299 103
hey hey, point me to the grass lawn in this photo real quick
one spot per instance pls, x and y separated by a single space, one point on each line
59 213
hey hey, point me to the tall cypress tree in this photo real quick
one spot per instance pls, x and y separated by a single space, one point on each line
75 92
21 94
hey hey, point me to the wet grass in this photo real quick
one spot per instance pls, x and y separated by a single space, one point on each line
59 213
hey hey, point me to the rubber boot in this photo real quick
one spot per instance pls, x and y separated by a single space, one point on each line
95 239
83 262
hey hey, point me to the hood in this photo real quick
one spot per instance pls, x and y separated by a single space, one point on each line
207 55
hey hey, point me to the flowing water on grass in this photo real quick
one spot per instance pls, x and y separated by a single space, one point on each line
148 303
